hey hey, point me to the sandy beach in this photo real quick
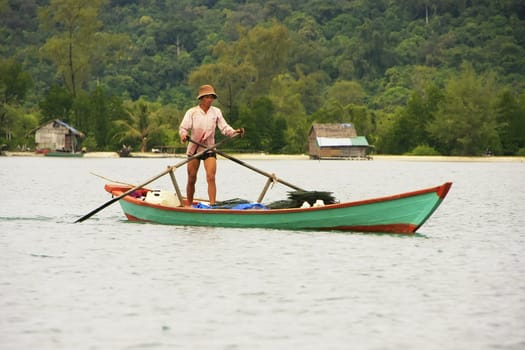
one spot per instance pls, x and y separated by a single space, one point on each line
267 156
449 158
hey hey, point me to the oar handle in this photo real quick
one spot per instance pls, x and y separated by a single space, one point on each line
169 169
262 172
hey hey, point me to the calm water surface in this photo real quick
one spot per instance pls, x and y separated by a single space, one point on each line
110 284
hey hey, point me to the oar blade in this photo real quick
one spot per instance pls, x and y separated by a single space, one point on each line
93 212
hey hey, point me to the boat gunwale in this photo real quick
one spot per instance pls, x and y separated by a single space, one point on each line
440 190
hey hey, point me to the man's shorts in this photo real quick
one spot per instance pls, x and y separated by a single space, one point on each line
206 155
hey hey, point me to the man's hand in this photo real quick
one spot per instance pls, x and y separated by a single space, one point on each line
240 131
184 138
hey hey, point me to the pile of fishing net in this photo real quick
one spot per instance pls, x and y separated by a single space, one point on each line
296 199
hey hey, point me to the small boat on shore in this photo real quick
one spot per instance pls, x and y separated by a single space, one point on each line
400 213
64 154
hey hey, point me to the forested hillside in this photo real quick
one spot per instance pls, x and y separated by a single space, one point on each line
415 76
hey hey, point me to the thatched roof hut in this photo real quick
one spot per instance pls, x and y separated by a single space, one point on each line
58 136
336 141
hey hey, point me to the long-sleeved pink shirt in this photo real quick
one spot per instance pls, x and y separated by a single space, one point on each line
202 127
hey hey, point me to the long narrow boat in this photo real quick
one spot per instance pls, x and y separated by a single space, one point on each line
401 213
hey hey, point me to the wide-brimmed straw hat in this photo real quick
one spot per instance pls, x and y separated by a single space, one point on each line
206 90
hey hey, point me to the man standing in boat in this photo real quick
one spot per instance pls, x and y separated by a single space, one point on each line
201 121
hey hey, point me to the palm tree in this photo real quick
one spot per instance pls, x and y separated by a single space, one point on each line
140 126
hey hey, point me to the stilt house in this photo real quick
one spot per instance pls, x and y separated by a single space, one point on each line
336 141
58 136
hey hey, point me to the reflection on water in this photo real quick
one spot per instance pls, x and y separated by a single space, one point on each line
110 284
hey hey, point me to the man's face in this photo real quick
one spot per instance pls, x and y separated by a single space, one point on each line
207 100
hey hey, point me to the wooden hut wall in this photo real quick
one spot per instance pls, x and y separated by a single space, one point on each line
341 152
51 137
358 152
313 147
330 152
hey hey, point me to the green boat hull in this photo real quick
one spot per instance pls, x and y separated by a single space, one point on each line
402 213
64 154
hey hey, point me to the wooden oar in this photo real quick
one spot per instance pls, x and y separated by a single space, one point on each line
168 170
262 172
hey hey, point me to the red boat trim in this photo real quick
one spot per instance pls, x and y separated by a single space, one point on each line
134 218
441 191
392 228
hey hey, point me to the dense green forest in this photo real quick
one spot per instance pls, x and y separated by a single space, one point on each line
415 76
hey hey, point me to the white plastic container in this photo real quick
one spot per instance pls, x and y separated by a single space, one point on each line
161 197
318 203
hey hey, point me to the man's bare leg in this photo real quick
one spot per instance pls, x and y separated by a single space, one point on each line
193 168
210 165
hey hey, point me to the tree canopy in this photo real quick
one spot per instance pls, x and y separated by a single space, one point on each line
441 76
